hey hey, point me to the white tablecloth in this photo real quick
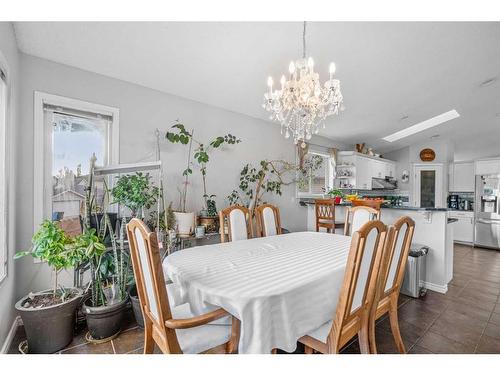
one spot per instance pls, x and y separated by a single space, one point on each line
280 287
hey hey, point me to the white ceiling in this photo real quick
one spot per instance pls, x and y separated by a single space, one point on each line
387 70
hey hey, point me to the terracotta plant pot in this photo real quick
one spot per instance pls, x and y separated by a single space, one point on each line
49 329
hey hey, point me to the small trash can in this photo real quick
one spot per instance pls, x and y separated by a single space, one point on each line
415 272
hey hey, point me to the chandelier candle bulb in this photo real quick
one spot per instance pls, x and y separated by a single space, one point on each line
332 70
310 63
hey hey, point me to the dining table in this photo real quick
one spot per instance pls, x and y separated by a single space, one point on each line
279 287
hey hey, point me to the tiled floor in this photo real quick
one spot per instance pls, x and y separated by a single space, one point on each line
465 320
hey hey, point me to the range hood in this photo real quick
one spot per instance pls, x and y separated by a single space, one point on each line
384 183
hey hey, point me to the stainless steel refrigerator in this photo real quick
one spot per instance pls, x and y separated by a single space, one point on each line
487 212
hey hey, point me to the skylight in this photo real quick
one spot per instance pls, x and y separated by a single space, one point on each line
421 126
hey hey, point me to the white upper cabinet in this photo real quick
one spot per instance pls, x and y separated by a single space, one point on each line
487 166
390 169
365 168
462 177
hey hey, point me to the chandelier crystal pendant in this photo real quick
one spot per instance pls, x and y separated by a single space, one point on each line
302 104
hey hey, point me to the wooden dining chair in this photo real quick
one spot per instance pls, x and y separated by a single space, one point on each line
356 217
355 303
367 203
392 272
175 330
325 215
268 220
239 223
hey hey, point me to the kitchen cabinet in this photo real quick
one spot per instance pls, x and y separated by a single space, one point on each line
378 168
462 177
463 230
365 168
487 166
390 170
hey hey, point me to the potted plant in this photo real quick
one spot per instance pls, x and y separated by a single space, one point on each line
201 157
268 177
337 194
135 192
49 315
110 274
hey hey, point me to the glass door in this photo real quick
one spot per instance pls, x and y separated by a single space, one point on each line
428 186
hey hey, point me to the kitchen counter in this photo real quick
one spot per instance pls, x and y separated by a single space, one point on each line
310 201
432 228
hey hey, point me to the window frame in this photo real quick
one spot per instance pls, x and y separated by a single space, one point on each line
328 178
42 147
4 174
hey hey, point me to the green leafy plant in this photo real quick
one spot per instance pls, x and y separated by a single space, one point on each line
268 177
311 163
211 206
201 156
167 220
52 245
335 193
135 192
110 267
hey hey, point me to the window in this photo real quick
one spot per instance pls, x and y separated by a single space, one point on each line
317 176
72 132
3 176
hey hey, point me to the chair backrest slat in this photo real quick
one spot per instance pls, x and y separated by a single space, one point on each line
150 283
325 213
356 217
360 282
268 220
239 223
396 254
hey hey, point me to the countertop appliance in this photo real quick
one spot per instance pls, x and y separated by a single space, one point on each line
487 212
453 201
387 183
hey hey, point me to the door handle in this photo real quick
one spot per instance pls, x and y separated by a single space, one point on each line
483 221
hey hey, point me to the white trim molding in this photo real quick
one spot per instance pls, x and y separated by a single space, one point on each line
443 289
40 152
10 336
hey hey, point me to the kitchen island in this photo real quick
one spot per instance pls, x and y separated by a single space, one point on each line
432 228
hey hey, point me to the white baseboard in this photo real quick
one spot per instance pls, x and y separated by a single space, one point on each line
8 340
436 287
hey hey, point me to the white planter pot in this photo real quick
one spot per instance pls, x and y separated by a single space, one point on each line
185 222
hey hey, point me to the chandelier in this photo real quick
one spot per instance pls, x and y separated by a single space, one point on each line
301 105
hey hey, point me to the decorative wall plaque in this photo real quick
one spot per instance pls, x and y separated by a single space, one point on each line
427 154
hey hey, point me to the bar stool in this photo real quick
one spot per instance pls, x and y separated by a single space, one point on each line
325 215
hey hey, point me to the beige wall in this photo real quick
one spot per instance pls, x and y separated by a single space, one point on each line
142 110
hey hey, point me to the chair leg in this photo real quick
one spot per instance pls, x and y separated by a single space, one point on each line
393 319
364 344
308 350
232 344
371 337
149 343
